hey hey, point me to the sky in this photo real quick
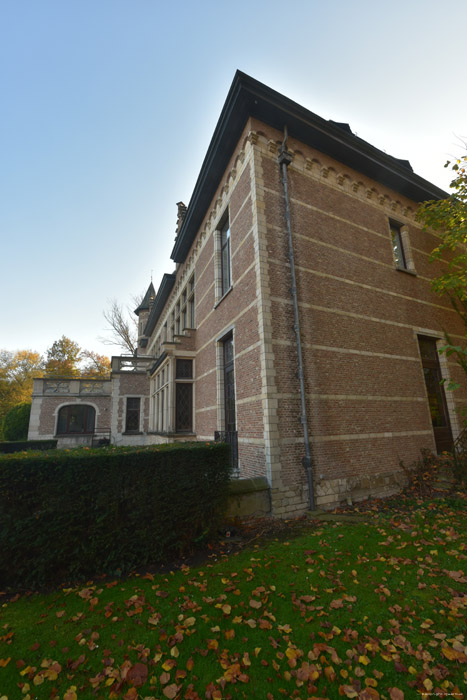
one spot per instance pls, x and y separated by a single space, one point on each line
108 107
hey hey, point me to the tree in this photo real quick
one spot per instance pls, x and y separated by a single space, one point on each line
17 372
95 365
448 217
63 358
123 325
16 422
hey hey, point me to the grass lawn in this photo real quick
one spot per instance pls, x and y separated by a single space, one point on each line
371 609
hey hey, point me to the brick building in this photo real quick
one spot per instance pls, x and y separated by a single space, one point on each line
299 321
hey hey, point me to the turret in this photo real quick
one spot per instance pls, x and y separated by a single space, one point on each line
143 312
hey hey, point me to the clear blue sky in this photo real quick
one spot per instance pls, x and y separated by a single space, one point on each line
108 107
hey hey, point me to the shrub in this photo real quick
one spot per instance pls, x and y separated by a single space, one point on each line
20 446
73 514
16 422
423 474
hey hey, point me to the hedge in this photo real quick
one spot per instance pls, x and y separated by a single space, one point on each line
65 515
16 422
9 447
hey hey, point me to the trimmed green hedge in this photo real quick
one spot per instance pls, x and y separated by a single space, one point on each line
16 422
9 447
72 514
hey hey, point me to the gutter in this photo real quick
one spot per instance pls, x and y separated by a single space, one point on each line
284 159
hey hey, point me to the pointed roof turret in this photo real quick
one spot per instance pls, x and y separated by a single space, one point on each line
148 300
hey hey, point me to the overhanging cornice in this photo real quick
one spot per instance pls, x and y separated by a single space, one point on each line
162 295
249 98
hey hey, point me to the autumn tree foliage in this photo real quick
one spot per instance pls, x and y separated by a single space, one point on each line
448 217
17 372
94 365
62 358
65 358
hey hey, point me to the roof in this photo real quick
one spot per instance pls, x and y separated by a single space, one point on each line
249 98
163 294
147 300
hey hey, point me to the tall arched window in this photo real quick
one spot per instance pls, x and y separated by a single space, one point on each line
76 419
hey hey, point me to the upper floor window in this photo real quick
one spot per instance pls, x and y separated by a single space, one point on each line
183 315
76 419
398 246
225 257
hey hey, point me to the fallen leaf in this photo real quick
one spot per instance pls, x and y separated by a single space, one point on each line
137 675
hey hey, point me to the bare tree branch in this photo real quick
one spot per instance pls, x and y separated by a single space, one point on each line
123 327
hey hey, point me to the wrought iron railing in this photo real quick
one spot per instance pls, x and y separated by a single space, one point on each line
231 437
100 438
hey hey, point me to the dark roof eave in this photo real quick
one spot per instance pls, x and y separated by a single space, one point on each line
248 97
145 304
162 295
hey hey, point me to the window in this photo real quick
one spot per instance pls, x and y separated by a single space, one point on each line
397 246
435 393
76 419
183 316
161 399
133 406
184 369
229 384
183 396
225 258
173 397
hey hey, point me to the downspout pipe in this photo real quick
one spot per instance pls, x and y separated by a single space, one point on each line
285 158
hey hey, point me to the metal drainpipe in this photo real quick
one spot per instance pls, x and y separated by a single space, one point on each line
285 158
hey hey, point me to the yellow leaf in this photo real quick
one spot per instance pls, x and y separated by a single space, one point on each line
237 619
363 660
226 609
71 694
189 622
174 652
428 684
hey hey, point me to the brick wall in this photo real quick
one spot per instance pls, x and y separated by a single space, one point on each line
366 396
